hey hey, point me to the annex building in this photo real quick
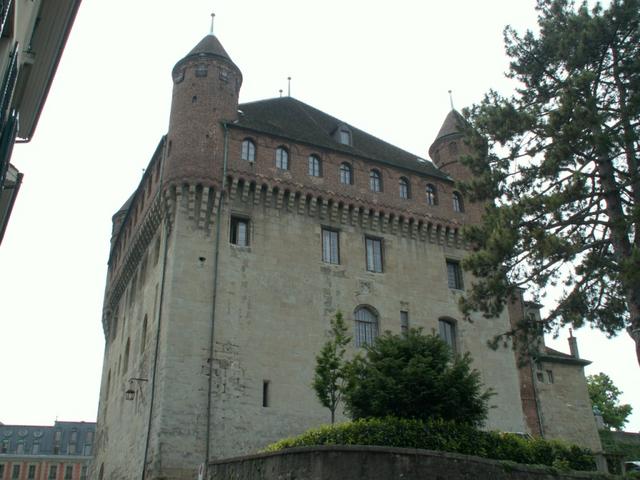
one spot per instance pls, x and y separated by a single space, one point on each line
252 226
34 452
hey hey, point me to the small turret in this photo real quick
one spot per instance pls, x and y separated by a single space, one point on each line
206 86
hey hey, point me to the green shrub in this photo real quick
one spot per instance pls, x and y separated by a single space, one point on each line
447 436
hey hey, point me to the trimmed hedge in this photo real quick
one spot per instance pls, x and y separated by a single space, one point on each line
447 436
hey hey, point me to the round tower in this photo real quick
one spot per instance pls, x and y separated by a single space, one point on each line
206 85
446 150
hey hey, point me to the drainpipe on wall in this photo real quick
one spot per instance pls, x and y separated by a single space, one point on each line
214 296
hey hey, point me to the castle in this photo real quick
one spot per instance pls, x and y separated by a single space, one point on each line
251 227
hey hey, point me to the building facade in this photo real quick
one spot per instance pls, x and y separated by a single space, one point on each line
59 452
251 227
32 38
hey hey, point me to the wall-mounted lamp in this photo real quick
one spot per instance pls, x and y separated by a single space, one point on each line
130 393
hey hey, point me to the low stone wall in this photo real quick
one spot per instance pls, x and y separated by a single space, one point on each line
377 463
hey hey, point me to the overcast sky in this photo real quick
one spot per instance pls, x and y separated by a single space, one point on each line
384 67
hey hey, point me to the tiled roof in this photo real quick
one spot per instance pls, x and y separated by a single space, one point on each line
292 119
450 127
75 438
209 46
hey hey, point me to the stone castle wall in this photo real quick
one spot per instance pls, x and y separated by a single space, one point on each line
378 463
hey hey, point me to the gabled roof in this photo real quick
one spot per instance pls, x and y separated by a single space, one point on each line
292 119
552 355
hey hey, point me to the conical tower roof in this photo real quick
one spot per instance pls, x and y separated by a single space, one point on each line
452 126
208 47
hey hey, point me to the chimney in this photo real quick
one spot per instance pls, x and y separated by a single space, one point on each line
573 345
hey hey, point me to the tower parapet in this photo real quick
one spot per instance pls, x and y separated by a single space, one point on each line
206 86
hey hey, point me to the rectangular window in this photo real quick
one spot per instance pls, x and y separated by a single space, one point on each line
15 472
454 275
330 246
550 376
374 254
68 472
265 393
36 448
31 474
53 472
404 322
239 231
5 446
447 331
1 470
83 473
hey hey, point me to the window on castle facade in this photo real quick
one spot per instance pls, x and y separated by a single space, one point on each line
457 202
374 254
344 136
239 232
366 326
404 188
68 472
282 158
404 322
53 472
447 331
31 473
330 246
315 167
248 150
375 181
15 473
346 174
432 195
454 275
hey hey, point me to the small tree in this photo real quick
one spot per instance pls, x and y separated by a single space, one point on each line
415 376
604 395
328 381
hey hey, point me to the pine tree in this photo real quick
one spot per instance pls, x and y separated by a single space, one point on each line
558 165
328 381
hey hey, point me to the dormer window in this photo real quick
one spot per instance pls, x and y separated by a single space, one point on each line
343 135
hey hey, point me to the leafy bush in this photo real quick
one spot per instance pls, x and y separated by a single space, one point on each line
449 436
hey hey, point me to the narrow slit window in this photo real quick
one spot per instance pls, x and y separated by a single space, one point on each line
265 393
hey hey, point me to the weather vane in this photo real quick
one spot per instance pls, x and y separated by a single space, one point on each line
289 87
213 15
451 100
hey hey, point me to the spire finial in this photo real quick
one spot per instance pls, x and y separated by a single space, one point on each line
451 100
280 93
289 86
213 15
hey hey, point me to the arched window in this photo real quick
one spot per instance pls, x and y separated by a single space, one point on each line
457 202
432 194
248 150
366 326
447 331
375 180
404 188
346 175
282 158
315 166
